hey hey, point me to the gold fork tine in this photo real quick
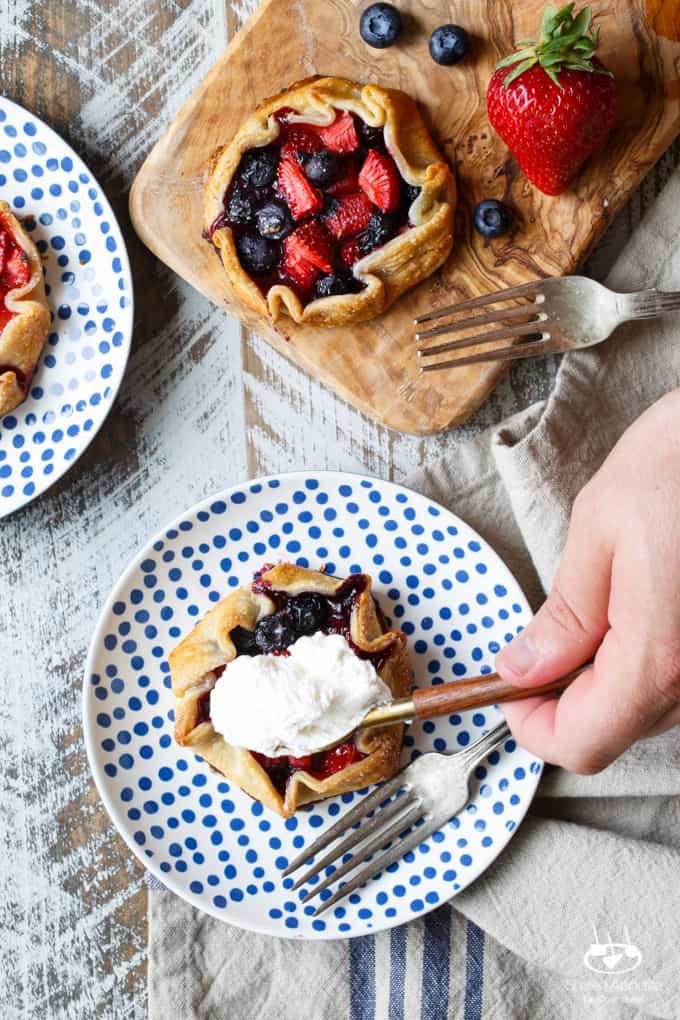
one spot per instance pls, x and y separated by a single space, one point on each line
526 350
524 290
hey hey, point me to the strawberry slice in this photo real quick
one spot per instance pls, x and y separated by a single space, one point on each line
351 252
379 179
347 181
310 242
17 269
341 136
299 270
299 139
338 758
4 248
349 216
304 762
306 254
302 198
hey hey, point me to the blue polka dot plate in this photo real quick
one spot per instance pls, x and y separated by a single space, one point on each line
201 836
89 291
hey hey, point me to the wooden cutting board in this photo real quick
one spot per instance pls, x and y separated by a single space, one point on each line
373 364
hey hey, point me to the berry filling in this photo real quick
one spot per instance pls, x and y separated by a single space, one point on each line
320 765
15 271
293 617
304 209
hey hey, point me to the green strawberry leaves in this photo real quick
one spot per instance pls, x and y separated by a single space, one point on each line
566 42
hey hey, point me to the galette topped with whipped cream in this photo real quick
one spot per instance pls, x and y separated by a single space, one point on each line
330 202
24 314
284 667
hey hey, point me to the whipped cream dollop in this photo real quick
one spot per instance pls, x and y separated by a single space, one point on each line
297 703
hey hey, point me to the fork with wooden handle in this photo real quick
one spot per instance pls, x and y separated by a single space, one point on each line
418 800
546 317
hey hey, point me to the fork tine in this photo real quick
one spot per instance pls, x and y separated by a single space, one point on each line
524 290
523 329
376 843
502 315
409 842
355 814
381 817
548 346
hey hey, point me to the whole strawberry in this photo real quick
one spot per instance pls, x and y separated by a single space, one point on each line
553 103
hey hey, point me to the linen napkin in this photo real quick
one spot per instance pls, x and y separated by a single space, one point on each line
597 859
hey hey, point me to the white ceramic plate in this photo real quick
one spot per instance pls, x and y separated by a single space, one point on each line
205 839
89 291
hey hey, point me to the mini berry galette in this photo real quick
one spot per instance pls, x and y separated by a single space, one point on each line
285 604
24 315
330 202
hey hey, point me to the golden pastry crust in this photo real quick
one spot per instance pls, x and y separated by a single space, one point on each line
209 646
24 335
387 271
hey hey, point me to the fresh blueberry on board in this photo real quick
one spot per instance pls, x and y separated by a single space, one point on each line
258 167
322 167
274 221
449 44
241 208
380 25
332 285
256 253
492 218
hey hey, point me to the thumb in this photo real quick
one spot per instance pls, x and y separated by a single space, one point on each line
570 625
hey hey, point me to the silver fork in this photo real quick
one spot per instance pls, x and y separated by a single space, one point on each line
421 798
556 314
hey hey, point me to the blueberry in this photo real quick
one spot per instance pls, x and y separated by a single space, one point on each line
257 254
274 220
370 137
449 44
492 218
322 167
380 25
274 633
258 167
381 228
244 641
308 612
332 285
411 193
241 208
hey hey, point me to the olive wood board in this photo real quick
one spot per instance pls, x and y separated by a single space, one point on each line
373 365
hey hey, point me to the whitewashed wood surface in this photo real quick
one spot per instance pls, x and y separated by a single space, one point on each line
202 406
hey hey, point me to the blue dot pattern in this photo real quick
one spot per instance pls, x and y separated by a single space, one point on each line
203 837
89 291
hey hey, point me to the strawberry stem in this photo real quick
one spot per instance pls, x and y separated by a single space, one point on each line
566 43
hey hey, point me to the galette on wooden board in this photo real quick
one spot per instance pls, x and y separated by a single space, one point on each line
330 202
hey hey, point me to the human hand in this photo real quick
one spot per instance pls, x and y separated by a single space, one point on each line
616 596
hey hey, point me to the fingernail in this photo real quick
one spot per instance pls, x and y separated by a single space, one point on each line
520 656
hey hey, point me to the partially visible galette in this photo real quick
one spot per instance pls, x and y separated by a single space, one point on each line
330 202
284 603
24 315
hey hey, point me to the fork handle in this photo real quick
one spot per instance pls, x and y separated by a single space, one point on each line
478 692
